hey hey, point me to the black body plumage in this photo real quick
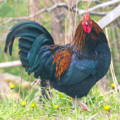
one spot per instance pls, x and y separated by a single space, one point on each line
37 53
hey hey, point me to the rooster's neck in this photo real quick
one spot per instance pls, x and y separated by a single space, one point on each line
79 38
85 42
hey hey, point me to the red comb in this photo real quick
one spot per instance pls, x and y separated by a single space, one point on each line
86 17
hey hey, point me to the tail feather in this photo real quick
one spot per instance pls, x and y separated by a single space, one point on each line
31 37
24 29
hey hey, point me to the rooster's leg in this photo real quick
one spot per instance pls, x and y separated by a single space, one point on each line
83 106
45 89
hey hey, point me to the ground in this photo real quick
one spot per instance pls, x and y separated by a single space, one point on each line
103 107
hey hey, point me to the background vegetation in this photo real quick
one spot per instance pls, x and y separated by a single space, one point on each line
103 100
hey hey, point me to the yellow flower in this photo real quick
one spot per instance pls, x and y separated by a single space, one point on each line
23 103
56 106
12 85
33 105
106 107
113 85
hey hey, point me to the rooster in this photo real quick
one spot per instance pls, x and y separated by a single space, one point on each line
72 68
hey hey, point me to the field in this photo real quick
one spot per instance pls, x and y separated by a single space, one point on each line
102 107
103 102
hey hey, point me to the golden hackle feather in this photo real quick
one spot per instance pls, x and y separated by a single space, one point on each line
97 28
79 37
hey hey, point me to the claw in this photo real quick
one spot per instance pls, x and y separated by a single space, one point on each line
82 105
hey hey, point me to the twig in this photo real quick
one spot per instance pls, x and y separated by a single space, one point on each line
112 70
104 5
9 78
64 5
82 12
78 1
10 64
110 17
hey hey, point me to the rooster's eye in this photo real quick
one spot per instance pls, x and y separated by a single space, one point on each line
86 23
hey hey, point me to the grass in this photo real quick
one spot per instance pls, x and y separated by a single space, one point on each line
60 107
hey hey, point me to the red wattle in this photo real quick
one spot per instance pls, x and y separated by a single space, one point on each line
87 29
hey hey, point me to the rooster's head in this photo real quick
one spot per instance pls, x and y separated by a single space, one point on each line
85 29
87 23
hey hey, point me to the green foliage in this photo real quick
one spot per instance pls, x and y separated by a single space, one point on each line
61 107
13 8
